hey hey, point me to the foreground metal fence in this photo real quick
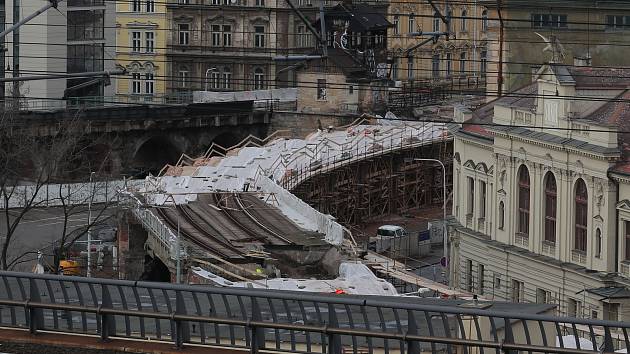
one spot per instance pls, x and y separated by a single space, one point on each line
290 321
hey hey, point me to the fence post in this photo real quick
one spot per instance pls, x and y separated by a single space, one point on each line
182 330
413 347
608 346
108 322
334 341
257 334
35 315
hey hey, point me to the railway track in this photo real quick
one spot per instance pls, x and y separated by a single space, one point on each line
209 243
236 211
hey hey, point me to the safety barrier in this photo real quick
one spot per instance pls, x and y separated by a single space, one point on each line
296 322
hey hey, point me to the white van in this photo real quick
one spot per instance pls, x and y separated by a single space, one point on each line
385 236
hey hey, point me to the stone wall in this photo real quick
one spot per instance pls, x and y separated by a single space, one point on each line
301 124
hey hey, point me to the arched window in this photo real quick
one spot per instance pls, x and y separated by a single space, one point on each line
411 25
484 20
581 217
501 215
436 22
551 202
464 15
396 22
523 201
259 79
598 243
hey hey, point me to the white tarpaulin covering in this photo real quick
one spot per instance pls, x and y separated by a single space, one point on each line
266 168
354 278
570 343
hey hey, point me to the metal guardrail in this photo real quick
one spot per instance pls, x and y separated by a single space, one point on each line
285 321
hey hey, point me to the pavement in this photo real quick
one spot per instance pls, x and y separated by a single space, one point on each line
39 229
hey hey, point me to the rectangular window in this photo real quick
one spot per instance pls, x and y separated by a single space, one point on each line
350 90
321 89
574 308
259 79
150 5
184 33
412 23
183 78
135 6
227 79
396 22
482 199
259 36
435 66
471 196
543 296
469 276
148 84
216 2
549 20
627 239
214 79
483 68
135 83
85 25
410 70
611 311
135 41
481 270
227 35
518 291
449 64
395 69
462 63
260 3
149 40
617 22
300 36
216 35
184 2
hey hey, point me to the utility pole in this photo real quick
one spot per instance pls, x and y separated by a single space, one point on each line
16 49
3 65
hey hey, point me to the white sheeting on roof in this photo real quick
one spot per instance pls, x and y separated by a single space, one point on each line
264 168
570 343
354 278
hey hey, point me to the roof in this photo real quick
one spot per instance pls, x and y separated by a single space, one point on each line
390 227
361 18
598 77
611 292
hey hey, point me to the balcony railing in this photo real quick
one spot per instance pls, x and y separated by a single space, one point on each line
521 239
578 256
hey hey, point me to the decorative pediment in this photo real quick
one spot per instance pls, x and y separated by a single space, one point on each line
624 205
457 158
482 167
183 18
259 20
470 164
220 19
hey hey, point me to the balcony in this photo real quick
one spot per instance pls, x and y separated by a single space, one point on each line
521 240
578 257
469 218
549 248
481 224
624 269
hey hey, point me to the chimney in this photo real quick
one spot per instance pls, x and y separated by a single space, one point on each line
582 61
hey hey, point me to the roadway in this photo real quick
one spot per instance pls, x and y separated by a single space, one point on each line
40 228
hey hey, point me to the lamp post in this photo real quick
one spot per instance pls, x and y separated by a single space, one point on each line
89 230
444 232
213 69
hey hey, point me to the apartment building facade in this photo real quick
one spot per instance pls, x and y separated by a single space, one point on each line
229 45
74 38
462 55
141 32
593 30
542 194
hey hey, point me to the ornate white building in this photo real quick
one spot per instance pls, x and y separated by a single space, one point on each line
542 193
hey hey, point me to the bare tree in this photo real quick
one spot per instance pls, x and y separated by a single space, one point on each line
31 158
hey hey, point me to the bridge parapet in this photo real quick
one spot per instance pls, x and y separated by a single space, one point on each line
293 321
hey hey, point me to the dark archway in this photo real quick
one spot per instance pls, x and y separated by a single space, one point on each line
225 140
153 155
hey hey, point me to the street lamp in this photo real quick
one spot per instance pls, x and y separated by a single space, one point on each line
213 69
89 230
444 232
